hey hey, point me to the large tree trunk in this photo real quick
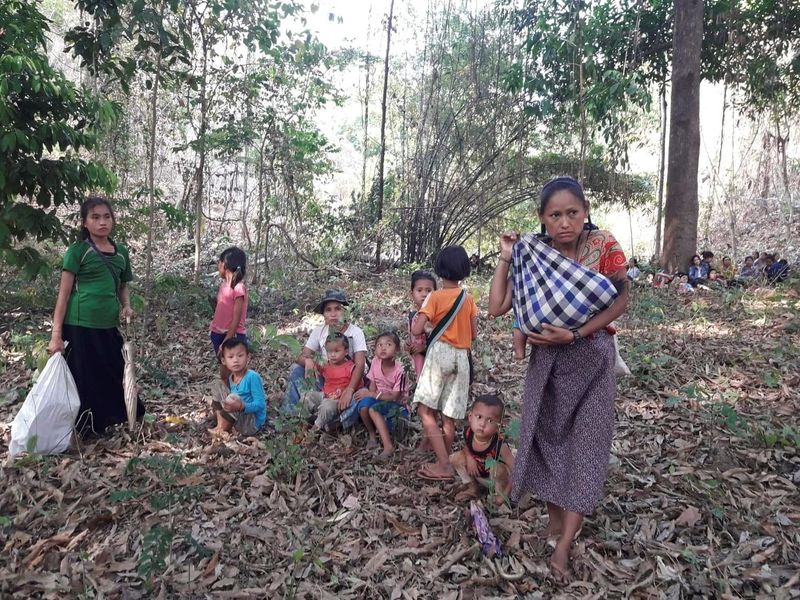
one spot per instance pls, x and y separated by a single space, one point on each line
681 210
379 204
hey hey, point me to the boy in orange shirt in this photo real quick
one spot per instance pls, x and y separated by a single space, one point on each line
443 386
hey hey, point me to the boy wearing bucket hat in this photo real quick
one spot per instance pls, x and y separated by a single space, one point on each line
331 307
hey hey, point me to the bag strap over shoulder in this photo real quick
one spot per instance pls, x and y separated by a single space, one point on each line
442 325
107 263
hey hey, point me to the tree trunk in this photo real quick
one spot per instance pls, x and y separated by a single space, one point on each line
662 162
151 187
379 204
681 210
198 201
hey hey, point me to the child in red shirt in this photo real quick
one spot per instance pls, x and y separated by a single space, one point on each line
336 374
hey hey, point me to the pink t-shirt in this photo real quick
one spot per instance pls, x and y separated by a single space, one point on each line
223 314
393 382
336 377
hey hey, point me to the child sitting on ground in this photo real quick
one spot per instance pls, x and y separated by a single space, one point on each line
684 287
336 375
483 442
384 402
245 407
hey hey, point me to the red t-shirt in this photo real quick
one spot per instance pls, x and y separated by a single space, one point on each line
336 377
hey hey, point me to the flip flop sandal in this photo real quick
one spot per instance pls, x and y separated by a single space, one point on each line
423 473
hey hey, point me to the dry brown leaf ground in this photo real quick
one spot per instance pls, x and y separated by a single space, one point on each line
701 499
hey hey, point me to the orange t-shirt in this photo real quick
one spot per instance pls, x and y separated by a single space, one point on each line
436 307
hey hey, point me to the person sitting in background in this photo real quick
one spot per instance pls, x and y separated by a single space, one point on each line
697 271
728 270
708 262
634 272
748 271
715 280
760 263
778 271
684 287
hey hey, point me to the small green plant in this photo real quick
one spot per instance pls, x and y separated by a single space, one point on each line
735 422
786 437
287 457
155 548
268 335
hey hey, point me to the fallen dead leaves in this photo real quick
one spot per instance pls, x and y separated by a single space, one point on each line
697 503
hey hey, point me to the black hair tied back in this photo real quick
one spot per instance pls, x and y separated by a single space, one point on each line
235 261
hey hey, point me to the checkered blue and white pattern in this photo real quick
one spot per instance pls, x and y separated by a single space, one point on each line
550 288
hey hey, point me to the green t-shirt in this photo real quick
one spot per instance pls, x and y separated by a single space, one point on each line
93 302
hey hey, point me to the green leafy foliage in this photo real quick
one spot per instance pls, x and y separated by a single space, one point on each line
156 544
46 123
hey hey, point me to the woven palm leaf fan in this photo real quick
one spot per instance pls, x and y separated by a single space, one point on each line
129 377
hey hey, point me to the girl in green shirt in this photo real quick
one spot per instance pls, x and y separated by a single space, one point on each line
92 296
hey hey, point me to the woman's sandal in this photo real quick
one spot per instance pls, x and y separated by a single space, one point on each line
425 473
560 576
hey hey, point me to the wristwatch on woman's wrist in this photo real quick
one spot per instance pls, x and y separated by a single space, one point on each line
576 335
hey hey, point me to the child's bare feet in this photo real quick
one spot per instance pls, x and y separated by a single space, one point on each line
372 443
385 455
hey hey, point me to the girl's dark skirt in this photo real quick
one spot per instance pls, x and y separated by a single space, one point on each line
95 359
567 424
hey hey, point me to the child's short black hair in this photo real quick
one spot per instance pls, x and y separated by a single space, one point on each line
231 343
422 275
338 337
452 263
490 400
391 335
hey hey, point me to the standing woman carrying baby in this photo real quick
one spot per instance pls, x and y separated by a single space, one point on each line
569 393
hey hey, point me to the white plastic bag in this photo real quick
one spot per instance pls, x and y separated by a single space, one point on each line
47 416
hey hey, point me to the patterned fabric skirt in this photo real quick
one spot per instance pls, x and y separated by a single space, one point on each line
444 382
567 424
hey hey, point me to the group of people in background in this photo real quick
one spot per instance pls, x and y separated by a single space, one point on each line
705 272
567 404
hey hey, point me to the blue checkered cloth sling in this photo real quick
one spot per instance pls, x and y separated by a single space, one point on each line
550 288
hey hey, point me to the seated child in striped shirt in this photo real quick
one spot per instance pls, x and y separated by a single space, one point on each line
483 443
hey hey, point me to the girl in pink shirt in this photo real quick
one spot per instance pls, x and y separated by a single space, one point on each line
231 309
422 284
385 401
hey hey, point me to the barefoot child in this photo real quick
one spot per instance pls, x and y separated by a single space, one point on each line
336 375
443 386
385 401
422 284
231 309
483 442
245 408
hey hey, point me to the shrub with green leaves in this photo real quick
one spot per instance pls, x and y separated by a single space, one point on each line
46 123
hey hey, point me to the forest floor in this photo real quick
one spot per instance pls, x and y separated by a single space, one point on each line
701 499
